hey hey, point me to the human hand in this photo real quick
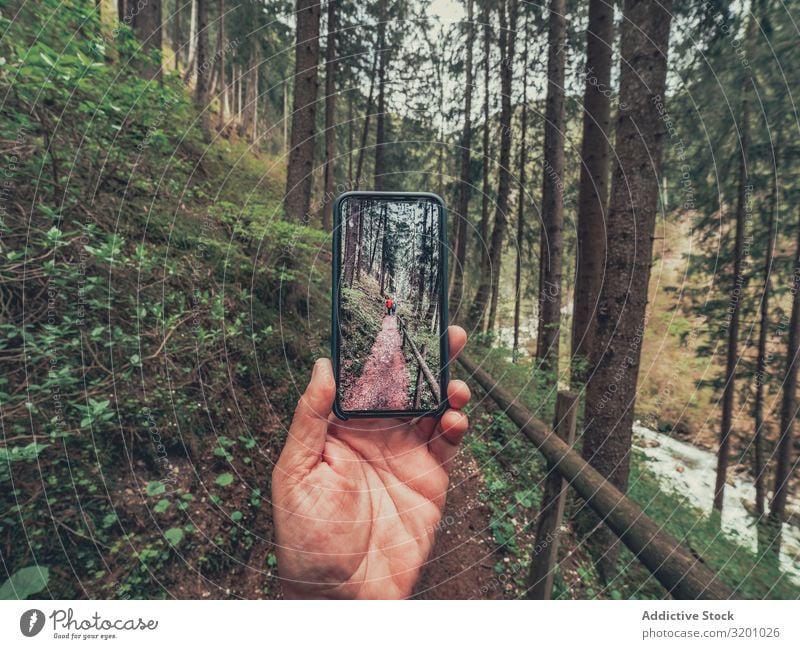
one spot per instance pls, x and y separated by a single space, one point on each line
356 503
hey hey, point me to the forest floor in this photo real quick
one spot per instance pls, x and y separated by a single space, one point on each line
383 384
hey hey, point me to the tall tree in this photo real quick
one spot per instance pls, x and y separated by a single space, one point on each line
304 111
490 270
201 86
593 186
789 408
736 292
146 23
487 56
761 362
330 117
640 132
552 230
222 88
380 117
523 159
465 181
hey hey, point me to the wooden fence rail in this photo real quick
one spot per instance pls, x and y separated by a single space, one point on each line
681 573
430 379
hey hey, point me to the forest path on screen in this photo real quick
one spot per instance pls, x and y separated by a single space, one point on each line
383 385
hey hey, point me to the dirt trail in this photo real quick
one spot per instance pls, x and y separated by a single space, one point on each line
383 384
462 562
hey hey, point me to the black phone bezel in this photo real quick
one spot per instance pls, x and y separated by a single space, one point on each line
444 347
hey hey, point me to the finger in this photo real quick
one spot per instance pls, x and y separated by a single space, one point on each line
457 339
447 437
309 428
458 394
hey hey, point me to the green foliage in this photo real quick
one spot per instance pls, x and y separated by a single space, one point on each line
25 582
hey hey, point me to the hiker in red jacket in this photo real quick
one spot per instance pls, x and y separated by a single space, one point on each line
389 305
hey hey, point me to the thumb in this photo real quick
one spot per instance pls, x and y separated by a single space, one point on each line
309 428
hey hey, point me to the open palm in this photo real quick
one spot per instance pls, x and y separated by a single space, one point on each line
356 504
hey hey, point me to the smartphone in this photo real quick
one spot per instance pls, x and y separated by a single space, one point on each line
389 305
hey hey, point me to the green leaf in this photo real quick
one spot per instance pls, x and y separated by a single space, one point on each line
224 479
161 506
236 516
174 536
155 488
25 582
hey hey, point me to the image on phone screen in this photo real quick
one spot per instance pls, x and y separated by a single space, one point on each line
390 304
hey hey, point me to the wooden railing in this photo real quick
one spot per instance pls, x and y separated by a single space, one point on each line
422 367
684 575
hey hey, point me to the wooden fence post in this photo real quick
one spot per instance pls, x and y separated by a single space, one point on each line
548 524
423 351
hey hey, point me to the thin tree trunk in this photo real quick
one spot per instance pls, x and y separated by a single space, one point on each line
201 87
304 111
552 240
640 132
490 272
784 466
221 87
465 184
593 188
380 118
523 159
734 305
176 34
350 140
761 364
484 228
146 24
191 62
330 118
365 131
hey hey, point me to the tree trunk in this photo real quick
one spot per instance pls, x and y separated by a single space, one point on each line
640 132
761 363
490 271
593 188
523 159
146 24
380 118
201 86
365 131
191 62
177 45
734 305
484 228
465 185
783 467
222 90
552 239
304 111
330 118
350 230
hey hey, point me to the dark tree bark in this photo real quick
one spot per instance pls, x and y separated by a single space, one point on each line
465 184
490 271
176 34
593 188
201 87
783 467
484 227
380 118
368 111
330 118
221 89
146 24
552 231
761 363
350 241
640 133
734 305
304 111
523 159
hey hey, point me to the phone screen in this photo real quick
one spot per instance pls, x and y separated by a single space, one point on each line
390 304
